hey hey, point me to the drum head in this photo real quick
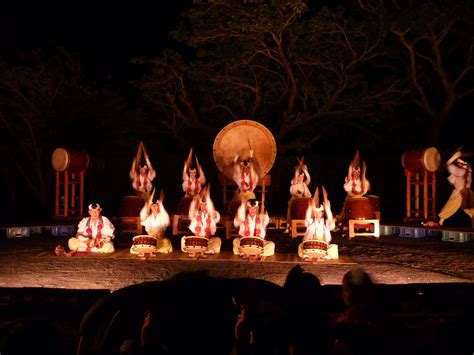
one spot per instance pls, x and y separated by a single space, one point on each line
60 159
237 138
431 159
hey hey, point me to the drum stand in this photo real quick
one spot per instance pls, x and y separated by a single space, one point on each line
428 184
65 192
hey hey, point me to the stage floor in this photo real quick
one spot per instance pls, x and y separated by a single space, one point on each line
30 262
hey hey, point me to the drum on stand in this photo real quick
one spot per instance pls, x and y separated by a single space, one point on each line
70 160
420 160
358 208
299 207
194 244
315 248
237 138
375 202
131 206
251 246
144 244
183 206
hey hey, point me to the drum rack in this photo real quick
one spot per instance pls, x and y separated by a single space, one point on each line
66 204
426 197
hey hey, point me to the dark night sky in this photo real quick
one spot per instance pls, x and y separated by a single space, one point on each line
106 33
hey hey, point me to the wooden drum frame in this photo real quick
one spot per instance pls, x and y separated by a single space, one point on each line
315 248
145 244
195 244
251 246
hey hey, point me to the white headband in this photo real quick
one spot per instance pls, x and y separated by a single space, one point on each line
92 208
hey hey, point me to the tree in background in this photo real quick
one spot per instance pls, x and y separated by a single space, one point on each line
302 71
436 43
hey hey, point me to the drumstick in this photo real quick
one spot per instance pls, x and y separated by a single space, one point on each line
316 197
262 207
139 153
150 200
189 159
162 196
325 195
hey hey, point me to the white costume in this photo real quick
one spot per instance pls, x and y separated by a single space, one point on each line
319 228
252 227
192 185
245 180
461 179
142 183
204 224
298 189
155 226
355 187
93 236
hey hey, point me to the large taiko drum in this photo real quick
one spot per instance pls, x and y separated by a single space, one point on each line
375 202
420 160
299 207
251 246
238 138
315 248
144 244
194 244
131 206
70 160
183 206
358 208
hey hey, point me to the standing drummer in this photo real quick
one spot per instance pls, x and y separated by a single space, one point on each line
155 219
298 188
141 177
204 219
251 223
193 179
318 227
461 179
245 177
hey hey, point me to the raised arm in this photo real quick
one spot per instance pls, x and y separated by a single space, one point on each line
202 177
133 169
308 177
185 172
240 215
193 207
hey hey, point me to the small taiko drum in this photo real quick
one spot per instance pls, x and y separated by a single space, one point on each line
183 206
69 160
375 202
195 244
420 160
315 248
251 246
358 208
144 244
299 207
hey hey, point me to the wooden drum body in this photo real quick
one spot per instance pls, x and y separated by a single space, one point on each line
144 244
250 246
183 206
420 160
358 208
375 202
315 248
195 244
131 206
69 160
299 207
